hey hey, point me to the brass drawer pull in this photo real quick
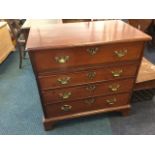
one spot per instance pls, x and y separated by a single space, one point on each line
114 87
66 107
63 80
90 101
92 51
91 87
111 101
121 53
117 73
62 59
65 95
91 75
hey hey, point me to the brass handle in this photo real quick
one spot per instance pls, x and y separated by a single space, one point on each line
90 101
121 53
117 73
63 80
91 75
62 59
91 87
111 101
66 107
65 95
114 87
92 50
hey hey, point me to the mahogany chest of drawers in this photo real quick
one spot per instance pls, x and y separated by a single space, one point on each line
85 68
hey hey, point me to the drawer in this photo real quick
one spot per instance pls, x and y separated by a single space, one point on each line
63 59
89 104
94 75
95 89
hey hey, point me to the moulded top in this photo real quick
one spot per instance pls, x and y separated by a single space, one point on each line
82 34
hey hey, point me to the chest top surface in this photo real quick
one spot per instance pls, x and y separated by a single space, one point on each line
82 34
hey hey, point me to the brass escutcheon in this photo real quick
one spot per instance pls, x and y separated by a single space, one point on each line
63 80
91 87
66 107
65 95
114 87
111 101
117 73
90 101
91 75
62 59
121 53
93 50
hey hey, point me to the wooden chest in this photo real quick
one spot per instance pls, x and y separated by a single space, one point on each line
85 68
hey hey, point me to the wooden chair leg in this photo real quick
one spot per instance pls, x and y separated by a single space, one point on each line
25 54
20 55
15 28
20 59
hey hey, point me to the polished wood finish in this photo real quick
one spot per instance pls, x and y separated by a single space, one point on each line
83 34
87 90
30 23
49 122
88 104
85 68
105 73
46 60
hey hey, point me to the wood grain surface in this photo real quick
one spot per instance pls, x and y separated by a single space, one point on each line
83 34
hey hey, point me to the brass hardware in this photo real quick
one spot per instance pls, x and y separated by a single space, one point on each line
63 80
111 101
121 53
117 73
114 87
90 101
92 50
91 87
65 95
62 59
66 107
91 75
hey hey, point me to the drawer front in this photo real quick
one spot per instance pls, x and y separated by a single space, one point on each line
90 76
89 104
80 92
85 56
